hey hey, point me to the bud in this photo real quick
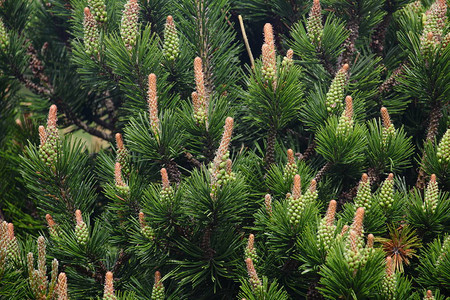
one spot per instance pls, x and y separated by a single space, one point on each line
254 280
81 230
129 25
152 102
296 202
122 156
146 230
357 225
268 35
445 250
388 127
52 227
269 63
158 288
389 280
434 23
200 98
387 192
108 293
62 287
352 254
297 187
54 276
91 34
311 193
222 155
314 25
268 203
291 167
250 251
41 255
48 149
325 233
167 193
4 38
99 10
269 54
428 296
346 120
370 240
121 186
363 195
344 230
443 149
431 195
3 243
288 59
171 42
336 92
13 246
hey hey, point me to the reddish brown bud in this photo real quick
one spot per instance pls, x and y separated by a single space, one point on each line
142 219
386 118
349 107
331 212
370 240
251 241
157 277
51 121
358 221
313 186
165 179
297 187
42 135
78 217
290 54
119 141
153 102
268 203
389 266
50 222
118 175
290 155
62 287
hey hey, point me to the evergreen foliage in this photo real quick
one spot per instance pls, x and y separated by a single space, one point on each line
145 153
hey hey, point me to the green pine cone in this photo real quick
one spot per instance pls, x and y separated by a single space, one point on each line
158 292
363 196
296 207
387 193
4 38
443 149
98 9
129 25
148 232
335 94
81 233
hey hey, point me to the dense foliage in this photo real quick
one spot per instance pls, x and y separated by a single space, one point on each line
160 149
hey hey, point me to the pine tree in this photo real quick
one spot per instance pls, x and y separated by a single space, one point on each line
147 153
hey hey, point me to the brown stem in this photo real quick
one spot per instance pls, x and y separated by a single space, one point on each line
435 116
310 151
349 44
379 35
322 171
192 159
270 151
45 88
173 171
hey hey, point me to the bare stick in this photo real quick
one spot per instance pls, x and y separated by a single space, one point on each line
247 45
